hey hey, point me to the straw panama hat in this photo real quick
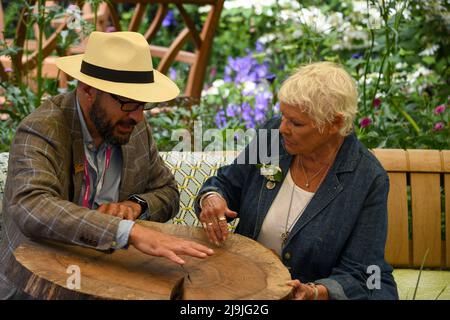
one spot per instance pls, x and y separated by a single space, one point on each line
120 63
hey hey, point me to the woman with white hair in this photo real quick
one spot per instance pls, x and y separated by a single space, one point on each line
323 206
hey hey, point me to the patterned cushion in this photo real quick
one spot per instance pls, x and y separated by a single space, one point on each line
190 169
3 170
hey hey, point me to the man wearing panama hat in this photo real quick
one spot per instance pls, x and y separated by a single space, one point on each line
84 165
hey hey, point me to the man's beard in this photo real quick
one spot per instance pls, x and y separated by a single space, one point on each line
105 128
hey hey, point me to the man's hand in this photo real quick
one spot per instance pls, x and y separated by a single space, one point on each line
127 210
159 244
214 218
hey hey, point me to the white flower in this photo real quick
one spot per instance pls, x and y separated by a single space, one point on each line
371 11
211 91
430 50
218 83
420 71
269 171
246 4
267 38
74 17
371 77
337 47
249 88
401 65
316 20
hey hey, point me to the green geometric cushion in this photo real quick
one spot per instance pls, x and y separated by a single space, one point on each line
3 171
191 169
430 285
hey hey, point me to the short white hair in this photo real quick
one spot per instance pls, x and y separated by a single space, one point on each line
322 90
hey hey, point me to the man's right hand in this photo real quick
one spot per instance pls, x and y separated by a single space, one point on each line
159 244
214 218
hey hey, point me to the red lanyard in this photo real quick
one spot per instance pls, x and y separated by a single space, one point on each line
87 179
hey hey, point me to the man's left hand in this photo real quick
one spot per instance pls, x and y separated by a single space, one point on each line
127 210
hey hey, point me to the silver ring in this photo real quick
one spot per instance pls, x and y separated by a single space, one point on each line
222 218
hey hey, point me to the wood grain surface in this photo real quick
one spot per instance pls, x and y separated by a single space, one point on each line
240 269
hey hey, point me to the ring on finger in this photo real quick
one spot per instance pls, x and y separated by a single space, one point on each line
222 218
210 224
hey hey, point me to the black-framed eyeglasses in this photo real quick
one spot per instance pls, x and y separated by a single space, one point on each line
130 106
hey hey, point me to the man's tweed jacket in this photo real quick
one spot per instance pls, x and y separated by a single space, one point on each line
45 175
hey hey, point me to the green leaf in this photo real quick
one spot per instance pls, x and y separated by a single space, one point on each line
429 60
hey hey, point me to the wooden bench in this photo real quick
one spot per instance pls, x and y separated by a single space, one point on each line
418 207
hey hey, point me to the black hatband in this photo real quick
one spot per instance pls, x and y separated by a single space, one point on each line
116 75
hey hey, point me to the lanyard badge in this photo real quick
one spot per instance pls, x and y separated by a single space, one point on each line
87 179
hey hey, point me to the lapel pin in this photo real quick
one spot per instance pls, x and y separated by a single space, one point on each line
79 167
270 185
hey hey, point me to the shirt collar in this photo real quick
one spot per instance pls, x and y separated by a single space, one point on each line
87 138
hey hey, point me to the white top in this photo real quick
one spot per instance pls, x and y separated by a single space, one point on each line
275 222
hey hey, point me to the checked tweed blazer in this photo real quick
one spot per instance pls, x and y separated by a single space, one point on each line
45 176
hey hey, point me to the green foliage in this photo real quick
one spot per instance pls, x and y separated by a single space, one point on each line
396 50
18 99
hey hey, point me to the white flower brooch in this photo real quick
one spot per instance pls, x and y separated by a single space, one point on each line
272 173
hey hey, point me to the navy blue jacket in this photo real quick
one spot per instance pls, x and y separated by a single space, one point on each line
340 238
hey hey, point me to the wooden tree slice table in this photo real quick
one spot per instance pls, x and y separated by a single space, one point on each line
240 269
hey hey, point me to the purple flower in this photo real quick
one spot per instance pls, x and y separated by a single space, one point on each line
172 74
376 103
227 74
357 55
438 126
271 77
73 7
169 20
261 103
8 70
232 110
261 70
259 47
365 122
220 119
247 115
262 100
110 29
245 69
439 109
242 68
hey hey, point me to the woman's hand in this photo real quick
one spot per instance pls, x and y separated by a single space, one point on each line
308 291
159 244
214 218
